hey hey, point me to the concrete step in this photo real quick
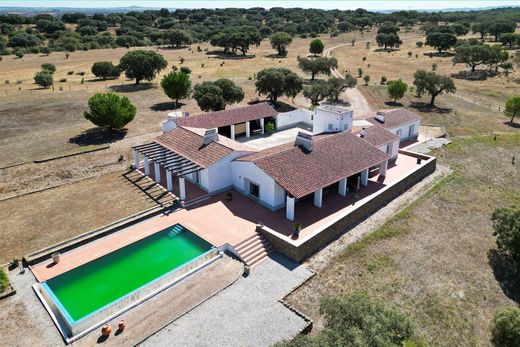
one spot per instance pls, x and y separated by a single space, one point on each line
253 261
243 244
252 248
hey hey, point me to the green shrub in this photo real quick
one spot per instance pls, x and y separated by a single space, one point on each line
49 67
110 110
269 127
105 69
19 54
506 332
70 73
506 224
44 79
355 320
186 70
4 281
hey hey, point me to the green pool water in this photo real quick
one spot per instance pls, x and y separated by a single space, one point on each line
93 285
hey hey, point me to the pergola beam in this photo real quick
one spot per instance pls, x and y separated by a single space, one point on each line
146 145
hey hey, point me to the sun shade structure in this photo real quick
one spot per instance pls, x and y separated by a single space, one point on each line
170 160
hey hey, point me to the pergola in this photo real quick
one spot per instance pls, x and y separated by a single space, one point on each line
173 163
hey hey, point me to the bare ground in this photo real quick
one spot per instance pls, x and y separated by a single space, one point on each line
436 260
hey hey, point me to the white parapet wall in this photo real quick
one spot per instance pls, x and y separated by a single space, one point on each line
287 119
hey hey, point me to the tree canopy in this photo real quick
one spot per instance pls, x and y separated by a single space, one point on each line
215 96
318 65
177 37
280 40
473 55
388 40
44 78
105 69
176 85
316 47
433 84
506 330
110 111
142 65
396 89
441 41
512 107
275 82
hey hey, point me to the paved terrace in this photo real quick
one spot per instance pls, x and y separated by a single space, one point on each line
268 140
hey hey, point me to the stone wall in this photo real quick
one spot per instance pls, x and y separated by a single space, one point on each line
334 231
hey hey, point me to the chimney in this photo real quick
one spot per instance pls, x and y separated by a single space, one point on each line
363 132
380 116
304 140
210 136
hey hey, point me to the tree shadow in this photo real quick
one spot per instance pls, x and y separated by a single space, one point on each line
281 107
394 104
173 48
98 136
102 338
507 273
386 50
229 56
275 56
512 124
128 88
477 75
439 55
339 102
166 106
426 107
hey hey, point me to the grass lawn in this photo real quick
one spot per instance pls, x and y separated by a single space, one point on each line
435 261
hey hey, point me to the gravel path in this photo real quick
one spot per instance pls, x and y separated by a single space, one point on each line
358 103
246 314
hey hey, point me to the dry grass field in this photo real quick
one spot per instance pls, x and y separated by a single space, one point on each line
436 261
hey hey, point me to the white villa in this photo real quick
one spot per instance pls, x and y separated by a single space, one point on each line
219 151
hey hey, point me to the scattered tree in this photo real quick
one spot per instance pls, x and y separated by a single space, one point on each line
110 111
473 55
433 84
366 78
317 92
44 79
316 47
275 82
481 28
280 40
509 39
177 37
388 40
49 67
396 89
105 69
441 41
176 85
316 66
500 27
460 29
338 85
512 107
142 65
215 96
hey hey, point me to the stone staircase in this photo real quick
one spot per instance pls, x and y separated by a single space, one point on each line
254 249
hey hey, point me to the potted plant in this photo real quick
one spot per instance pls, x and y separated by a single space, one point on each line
229 196
297 227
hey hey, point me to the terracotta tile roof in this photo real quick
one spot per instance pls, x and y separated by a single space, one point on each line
191 146
377 135
227 117
395 117
224 141
334 157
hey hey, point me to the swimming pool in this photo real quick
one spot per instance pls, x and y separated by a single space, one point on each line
83 291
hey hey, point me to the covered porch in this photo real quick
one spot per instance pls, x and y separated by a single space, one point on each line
175 173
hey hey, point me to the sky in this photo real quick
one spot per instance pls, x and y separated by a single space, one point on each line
323 4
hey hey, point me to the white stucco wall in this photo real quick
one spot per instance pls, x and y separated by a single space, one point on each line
271 194
219 175
394 148
286 119
405 128
325 121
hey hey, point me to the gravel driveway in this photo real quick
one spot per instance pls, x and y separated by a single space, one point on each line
246 314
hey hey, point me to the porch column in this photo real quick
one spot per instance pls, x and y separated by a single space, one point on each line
262 125
136 159
318 197
289 208
182 188
342 189
169 181
364 177
146 166
248 129
232 131
157 171
382 168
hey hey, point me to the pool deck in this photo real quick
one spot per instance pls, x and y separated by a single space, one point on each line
221 222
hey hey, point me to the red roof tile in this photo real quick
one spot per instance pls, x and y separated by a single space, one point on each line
191 146
395 117
334 157
378 136
227 117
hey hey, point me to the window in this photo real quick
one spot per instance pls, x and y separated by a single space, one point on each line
399 132
254 190
410 132
330 126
